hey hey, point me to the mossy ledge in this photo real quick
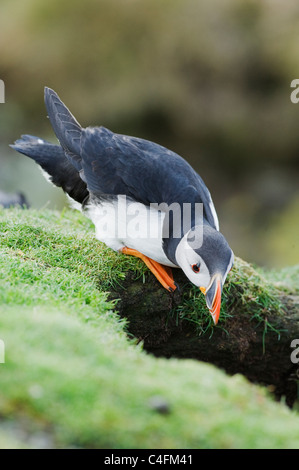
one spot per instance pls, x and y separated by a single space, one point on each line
258 321
71 315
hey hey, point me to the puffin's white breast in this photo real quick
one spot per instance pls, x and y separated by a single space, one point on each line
122 222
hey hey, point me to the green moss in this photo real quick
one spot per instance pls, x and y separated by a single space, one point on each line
246 289
285 279
72 375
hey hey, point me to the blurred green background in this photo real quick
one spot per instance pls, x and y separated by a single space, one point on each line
209 80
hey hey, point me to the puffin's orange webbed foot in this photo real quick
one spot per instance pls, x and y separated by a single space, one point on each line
162 273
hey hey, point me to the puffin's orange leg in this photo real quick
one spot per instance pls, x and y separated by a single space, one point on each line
162 273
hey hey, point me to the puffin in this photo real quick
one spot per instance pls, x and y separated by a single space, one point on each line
8 200
143 199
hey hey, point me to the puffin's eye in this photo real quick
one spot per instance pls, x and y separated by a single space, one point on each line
195 268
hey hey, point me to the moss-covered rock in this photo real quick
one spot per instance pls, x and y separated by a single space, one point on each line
73 377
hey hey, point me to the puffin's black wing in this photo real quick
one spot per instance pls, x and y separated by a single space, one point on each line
53 161
116 164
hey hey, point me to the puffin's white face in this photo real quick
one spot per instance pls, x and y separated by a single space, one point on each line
192 264
209 276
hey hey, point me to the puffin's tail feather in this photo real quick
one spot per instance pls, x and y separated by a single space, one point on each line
66 127
53 161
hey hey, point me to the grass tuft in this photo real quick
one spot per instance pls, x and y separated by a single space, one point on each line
246 289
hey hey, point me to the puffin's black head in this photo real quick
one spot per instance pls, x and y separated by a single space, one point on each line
206 258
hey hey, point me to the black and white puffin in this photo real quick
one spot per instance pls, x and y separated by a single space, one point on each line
137 193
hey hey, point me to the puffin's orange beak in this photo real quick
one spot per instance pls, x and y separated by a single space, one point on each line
213 297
